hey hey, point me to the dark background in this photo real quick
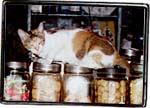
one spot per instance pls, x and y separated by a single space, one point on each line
16 17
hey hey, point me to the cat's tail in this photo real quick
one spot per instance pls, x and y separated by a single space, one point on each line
122 62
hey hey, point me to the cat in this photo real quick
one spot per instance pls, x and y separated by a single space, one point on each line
75 46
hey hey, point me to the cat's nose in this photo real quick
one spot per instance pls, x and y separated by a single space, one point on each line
36 47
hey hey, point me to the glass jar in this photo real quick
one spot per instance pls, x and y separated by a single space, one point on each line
138 66
16 84
46 82
77 84
136 87
111 86
130 54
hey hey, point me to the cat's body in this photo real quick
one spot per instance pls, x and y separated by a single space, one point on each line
59 46
76 46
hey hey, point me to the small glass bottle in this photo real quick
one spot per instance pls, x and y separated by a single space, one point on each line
77 84
111 86
16 84
46 82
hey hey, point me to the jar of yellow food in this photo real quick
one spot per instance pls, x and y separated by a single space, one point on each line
111 86
136 87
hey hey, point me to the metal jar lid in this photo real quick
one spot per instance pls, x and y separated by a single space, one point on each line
113 73
47 67
137 67
17 65
136 74
129 52
77 69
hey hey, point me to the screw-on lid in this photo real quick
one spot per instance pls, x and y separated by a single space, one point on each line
16 65
136 74
130 52
77 69
137 67
118 73
47 67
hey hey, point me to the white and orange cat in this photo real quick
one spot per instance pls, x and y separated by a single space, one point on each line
75 46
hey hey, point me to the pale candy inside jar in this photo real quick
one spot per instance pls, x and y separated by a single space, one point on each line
46 88
15 90
77 84
77 90
16 84
46 82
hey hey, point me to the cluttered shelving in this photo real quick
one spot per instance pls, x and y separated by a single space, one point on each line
105 21
67 83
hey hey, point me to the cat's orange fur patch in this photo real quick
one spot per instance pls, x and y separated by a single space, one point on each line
85 41
35 32
79 43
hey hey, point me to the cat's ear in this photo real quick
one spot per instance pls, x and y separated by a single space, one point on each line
23 35
41 27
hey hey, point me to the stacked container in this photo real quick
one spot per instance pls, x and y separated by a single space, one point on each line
136 82
136 61
77 84
16 84
46 83
111 86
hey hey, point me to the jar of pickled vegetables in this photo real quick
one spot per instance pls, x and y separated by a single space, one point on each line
16 84
77 84
111 86
46 82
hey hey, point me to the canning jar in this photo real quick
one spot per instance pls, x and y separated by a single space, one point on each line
111 86
46 82
138 66
130 54
16 84
136 87
77 84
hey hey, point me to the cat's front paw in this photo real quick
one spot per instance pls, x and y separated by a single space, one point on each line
44 61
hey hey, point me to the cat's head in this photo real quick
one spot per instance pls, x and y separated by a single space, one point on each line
33 40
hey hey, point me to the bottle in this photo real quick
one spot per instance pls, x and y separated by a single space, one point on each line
77 84
111 86
46 82
16 84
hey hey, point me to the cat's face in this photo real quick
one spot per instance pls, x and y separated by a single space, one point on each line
33 40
